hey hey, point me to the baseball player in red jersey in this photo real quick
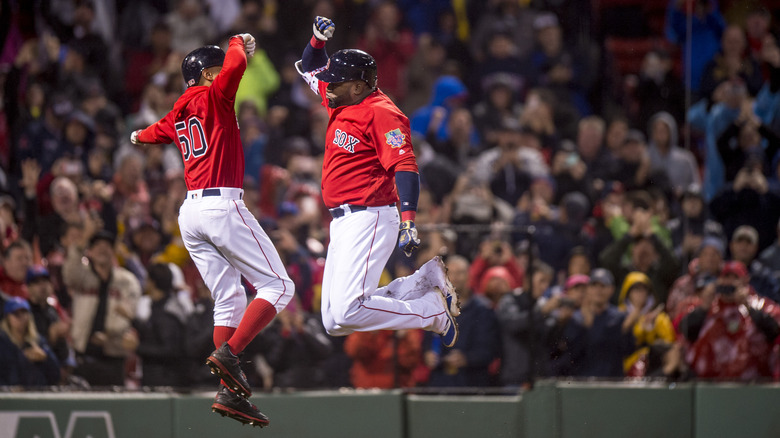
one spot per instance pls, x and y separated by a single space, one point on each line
368 154
223 238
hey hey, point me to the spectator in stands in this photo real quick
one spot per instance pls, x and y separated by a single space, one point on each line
602 330
565 342
426 66
145 242
634 169
431 120
49 320
522 318
570 171
444 161
743 247
501 93
198 338
25 356
559 228
731 63
472 202
757 27
600 161
555 66
508 16
146 61
161 331
692 226
17 260
190 26
731 101
384 359
732 337
467 362
667 157
707 26
261 80
637 206
707 264
748 201
659 88
494 252
391 46
648 254
501 58
662 360
770 257
294 345
650 322
105 298
546 119
743 141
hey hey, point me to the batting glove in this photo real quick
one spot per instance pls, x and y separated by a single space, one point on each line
323 28
407 239
134 137
249 44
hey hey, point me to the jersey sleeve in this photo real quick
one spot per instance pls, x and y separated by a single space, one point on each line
228 79
162 132
391 135
310 77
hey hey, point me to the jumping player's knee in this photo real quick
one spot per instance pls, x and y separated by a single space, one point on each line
345 319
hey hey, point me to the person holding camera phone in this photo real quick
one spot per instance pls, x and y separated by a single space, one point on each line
737 318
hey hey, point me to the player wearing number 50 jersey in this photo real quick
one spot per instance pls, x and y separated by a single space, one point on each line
368 165
223 238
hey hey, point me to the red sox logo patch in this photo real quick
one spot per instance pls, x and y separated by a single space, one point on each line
345 141
395 138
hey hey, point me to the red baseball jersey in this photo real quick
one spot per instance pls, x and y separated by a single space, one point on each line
364 145
203 122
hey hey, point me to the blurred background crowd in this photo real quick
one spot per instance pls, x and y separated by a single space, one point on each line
601 178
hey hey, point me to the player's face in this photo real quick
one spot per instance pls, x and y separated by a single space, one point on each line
341 93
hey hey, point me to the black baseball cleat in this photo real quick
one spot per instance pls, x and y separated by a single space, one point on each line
226 365
228 403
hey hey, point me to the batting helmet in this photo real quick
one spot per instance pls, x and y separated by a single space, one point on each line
199 59
350 65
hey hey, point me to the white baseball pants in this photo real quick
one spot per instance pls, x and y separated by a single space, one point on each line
360 245
225 241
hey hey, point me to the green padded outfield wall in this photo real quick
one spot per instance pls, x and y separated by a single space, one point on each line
326 414
81 415
559 409
431 416
727 411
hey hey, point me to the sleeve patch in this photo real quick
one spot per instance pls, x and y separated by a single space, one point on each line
395 138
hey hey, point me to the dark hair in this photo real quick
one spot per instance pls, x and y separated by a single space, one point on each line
640 199
102 235
161 276
20 243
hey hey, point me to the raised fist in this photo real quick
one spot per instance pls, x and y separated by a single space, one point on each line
323 28
249 44
134 137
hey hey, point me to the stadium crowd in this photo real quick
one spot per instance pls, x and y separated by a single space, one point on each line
596 221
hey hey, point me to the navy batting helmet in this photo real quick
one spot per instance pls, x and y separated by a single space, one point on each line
199 59
350 65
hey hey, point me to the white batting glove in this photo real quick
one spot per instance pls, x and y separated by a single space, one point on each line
323 28
134 137
249 44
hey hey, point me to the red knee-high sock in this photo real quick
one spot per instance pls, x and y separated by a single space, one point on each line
259 313
222 334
